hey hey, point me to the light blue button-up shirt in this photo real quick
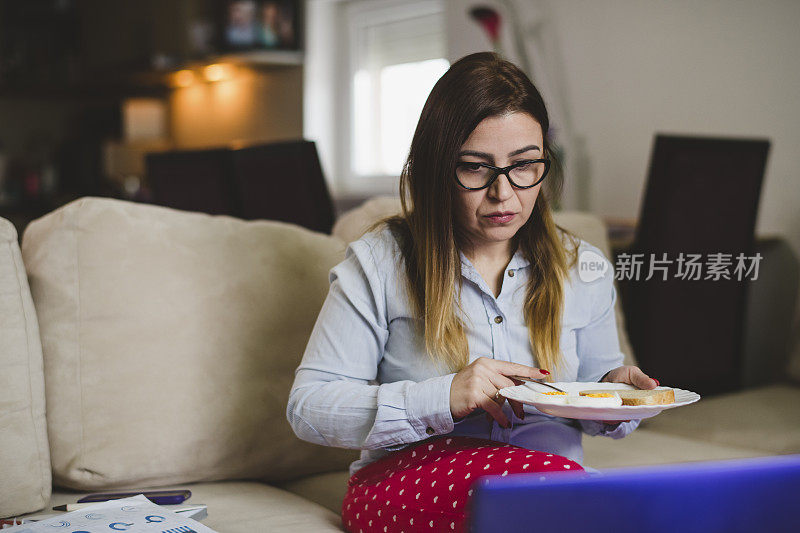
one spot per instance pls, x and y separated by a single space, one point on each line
367 382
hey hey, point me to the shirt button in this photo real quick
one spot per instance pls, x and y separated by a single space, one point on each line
430 431
498 319
510 273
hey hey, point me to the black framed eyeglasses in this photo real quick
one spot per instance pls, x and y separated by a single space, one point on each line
475 176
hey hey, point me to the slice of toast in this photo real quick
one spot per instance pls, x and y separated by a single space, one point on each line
640 397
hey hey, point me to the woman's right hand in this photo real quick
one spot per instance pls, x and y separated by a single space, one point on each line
476 386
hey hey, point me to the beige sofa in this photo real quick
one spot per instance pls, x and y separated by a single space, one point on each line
163 345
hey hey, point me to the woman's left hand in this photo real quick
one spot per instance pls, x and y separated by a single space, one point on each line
631 375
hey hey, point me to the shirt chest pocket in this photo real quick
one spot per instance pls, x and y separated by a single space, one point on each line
567 341
568 345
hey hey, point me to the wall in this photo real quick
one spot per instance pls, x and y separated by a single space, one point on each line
256 105
324 75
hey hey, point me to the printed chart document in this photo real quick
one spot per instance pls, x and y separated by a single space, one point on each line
132 515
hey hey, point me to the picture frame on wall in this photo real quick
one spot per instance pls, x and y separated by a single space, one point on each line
259 25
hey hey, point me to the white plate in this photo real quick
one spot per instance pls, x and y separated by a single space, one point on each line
522 393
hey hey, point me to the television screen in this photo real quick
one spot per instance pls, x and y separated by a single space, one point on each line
260 25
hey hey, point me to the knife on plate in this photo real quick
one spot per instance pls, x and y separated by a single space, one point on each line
529 380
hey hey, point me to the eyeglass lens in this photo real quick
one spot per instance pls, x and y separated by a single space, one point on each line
473 175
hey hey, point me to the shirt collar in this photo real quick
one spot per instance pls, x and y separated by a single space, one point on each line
518 261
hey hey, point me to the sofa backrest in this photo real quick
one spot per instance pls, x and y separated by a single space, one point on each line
170 341
24 453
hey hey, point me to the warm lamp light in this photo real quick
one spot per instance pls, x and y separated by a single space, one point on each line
218 72
183 78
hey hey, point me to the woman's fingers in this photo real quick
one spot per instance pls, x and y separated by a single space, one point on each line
518 409
641 380
488 404
493 391
492 404
508 368
500 382
477 385
516 406
632 375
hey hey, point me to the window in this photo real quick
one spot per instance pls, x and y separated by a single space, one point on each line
386 107
369 67
398 55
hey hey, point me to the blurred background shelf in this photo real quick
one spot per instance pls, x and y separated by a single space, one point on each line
264 58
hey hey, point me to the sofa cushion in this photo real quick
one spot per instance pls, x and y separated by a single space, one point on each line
246 507
170 341
765 419
644 447
24 452
326 489
352 224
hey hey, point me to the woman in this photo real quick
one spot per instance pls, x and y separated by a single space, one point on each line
436 310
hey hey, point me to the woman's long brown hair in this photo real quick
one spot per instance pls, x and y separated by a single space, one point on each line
475 87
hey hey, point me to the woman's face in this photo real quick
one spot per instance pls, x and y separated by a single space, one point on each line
499 141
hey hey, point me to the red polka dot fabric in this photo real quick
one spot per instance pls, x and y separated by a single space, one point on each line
426 486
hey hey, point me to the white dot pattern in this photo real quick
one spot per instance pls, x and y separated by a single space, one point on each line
414 494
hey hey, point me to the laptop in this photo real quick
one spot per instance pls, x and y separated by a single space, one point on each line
743 495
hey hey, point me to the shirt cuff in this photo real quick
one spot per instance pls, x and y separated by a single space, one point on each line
615 431
428 406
